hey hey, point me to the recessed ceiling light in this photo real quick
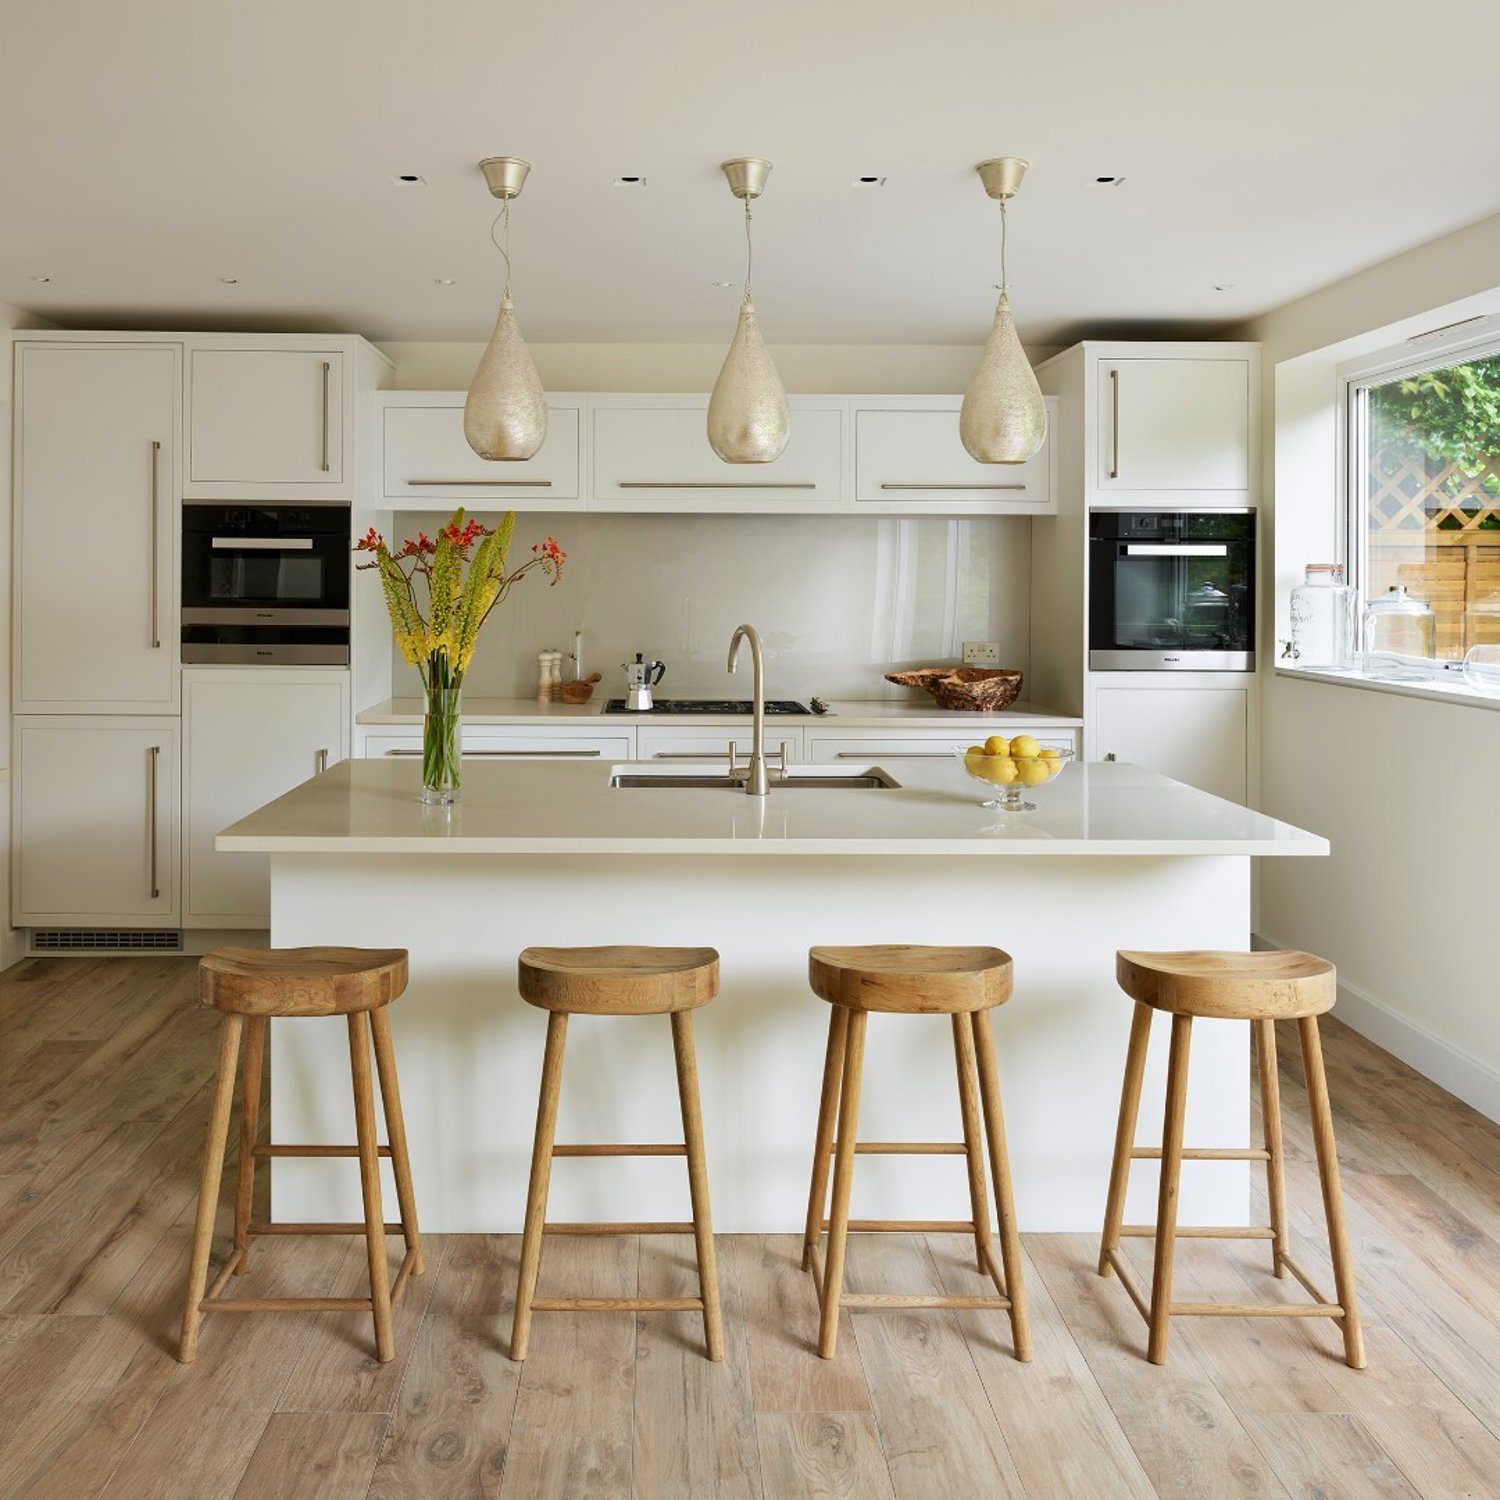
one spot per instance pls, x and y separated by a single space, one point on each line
1109 181
720 283
230 280
443 280
630 180
869 179
41 278
409 179
1223 286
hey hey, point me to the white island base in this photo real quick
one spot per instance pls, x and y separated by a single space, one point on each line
469 1049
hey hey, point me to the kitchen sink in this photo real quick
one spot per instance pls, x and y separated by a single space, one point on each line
819 778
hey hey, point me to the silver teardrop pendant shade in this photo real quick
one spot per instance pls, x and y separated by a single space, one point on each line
748 418
1003 419
505 414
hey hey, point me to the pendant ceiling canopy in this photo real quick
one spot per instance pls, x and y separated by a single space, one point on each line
1003 419
505 413
748 418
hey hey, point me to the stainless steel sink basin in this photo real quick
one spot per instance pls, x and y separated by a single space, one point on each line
871 778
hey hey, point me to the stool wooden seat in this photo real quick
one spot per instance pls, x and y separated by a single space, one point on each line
618 981
250 986
964 984
1261 988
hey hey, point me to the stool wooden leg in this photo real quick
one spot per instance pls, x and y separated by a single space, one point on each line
244 1191
1130 1108
968 1103
843 1180
541 1176
1270 1114
1333 1197
208 1187
395 1130
692 1134
833 1067
1166 1202
369 1182
1005 1208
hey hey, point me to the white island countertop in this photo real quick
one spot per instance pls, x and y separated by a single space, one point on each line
842 714
1096 808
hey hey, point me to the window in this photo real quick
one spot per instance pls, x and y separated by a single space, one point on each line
1424 490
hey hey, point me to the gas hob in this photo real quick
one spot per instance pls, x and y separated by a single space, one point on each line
710 706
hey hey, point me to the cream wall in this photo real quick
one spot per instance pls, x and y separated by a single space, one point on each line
1403 788
11 318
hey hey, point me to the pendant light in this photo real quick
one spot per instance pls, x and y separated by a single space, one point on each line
1003 419
748 419
505 413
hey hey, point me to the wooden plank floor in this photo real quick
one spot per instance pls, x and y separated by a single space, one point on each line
103 1074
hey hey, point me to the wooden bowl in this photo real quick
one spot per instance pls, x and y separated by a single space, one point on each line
580 690
975 690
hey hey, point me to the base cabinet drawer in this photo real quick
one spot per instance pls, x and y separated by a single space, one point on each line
96 821
1196 735
833 746
499 745
250 734
681 743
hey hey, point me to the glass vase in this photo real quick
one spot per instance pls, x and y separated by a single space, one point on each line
442 738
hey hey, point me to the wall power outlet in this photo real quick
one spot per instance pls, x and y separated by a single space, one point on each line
981 653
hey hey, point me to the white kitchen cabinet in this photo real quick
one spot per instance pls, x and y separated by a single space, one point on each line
249 734
651 453
427 463
1192 734
266 421
831 745
1170 425
502 742
96 527
95 822
711 741
908 457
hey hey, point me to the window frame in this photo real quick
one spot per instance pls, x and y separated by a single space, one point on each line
1472 340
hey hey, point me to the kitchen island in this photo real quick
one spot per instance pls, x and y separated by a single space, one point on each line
553 853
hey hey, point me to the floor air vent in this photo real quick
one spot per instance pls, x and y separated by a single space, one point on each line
103 940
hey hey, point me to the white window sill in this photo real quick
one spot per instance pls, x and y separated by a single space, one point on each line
1457 691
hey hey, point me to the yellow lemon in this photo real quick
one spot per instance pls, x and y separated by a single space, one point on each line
974 760
1053 765
1000 769
997 744
1024 745
976 750
1033 772
1049 753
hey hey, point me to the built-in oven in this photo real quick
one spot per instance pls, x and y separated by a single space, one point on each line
1172 591
266 584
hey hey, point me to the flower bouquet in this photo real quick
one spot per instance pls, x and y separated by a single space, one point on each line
463 571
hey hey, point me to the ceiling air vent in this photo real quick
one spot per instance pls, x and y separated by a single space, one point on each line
104 940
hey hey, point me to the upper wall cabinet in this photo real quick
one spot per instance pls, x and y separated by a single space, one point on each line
651 453
908 458
428 465
1172 426
268 422
96 523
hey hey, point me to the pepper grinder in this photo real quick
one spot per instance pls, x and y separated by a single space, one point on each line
544 677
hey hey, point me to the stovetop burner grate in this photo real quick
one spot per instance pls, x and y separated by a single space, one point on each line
711 706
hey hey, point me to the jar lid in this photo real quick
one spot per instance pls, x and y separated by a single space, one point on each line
1398 602
1335 570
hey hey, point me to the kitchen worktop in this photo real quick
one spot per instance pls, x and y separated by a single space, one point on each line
844 714
1101 808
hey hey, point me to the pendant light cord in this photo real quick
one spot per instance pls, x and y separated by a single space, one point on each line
1003 278
749 250
503 217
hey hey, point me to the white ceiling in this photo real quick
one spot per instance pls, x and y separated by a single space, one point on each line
148 148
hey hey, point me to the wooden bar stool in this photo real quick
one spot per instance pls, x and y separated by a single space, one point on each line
964 984
618 981
1261 988
250 986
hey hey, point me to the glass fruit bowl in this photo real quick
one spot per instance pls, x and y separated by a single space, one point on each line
1011 768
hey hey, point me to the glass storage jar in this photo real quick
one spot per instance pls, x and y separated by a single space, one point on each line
1324 618
1399 632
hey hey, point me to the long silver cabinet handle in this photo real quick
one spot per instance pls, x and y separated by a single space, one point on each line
953 486
327 370
155 538
490 484
893 755
1114 424
153 758
524 754
320 760
689 754
715 484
